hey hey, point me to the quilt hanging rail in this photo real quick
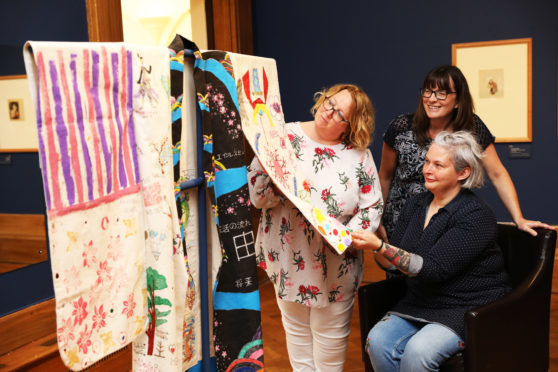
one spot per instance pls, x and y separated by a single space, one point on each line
199 183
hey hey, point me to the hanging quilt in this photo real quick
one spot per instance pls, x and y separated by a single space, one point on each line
263 125
160 348
118 269
237 330
183 97
90 167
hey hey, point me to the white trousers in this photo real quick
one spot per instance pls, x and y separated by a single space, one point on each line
317 337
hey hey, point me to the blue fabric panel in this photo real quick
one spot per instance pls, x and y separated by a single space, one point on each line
229 180
175 65
220 73
236 301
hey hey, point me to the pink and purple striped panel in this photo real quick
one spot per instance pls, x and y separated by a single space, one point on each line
86 129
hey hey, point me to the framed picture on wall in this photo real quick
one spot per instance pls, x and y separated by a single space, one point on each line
18 128
499 77
15 107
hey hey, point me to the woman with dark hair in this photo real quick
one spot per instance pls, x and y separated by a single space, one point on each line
445 105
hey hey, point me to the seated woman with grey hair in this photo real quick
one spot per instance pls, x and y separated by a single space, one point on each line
445 244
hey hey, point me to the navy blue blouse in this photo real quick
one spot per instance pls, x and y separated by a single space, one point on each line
462 266
408 179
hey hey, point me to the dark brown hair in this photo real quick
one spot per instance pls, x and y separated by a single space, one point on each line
441 78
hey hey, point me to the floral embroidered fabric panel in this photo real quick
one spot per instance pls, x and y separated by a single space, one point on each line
103 117
263 125
84 97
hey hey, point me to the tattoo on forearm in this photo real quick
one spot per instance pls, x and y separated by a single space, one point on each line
397 257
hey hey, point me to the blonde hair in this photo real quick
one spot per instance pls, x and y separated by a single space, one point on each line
361 128
465 152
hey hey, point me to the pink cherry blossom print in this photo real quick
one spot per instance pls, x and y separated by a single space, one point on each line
129 306
80 311
84 340
66 332
103 273
99 317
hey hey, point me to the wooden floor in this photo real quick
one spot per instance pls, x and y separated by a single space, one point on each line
275 351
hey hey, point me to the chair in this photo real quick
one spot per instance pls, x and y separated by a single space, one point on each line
509 334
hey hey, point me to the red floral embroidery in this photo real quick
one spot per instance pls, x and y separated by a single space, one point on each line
129 306
80 311
103 273
310 292
66 332
329 151
84 340
305 185
99 317
298 261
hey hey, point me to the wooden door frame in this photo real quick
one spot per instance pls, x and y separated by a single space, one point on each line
104 20
228 22
229 25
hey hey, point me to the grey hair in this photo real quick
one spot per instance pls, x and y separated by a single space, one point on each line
465 152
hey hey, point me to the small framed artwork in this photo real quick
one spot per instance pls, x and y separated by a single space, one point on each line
15 107
499 76
18 128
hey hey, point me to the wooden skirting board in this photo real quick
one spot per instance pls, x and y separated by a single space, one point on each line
22 240
29 343
27 325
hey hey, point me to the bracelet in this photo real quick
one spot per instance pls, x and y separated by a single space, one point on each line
379 248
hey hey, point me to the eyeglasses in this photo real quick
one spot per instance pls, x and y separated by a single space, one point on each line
439 94
337 115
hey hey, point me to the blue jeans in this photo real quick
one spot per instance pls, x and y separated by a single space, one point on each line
397 344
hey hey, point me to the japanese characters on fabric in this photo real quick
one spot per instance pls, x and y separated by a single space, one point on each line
263 125
183 97
103 114
84 97
237 330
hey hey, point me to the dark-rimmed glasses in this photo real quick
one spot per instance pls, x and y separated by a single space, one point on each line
439 94
337 115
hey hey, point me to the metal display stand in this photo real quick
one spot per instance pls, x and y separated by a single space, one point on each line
199 182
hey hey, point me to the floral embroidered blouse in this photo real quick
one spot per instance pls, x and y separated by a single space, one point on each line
343 183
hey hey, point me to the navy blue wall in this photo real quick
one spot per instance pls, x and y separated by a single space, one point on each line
387 47
21 188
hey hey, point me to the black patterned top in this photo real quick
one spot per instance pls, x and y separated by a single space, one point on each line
462 265
408 179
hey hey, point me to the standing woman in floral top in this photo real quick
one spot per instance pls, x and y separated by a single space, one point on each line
314 285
